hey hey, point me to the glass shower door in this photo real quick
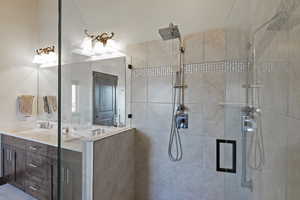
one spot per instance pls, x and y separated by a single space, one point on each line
240 95
265 127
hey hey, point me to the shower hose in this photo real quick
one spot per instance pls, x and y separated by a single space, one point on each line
175 147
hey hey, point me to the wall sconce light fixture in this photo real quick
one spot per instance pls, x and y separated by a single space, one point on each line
45 56
46 50
103 38
99 44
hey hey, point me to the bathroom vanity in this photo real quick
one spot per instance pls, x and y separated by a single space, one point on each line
89 165
31 166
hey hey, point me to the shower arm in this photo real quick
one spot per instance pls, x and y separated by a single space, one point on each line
259 28
256 31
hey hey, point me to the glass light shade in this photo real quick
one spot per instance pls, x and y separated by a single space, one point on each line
110 47
87 45
51 57
96 48
45 58
99 48
38 59
113 45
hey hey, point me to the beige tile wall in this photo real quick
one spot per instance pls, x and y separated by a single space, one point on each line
279 179
195 177
293 142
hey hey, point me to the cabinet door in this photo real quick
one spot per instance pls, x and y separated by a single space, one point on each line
20 168
72 163
75 170
71 176
54 193
65 182
8 163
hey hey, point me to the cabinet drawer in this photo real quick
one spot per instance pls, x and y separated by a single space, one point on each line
37 190
13 141
36 159
52 152
38 168
36 148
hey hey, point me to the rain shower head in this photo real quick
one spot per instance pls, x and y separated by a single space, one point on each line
169 33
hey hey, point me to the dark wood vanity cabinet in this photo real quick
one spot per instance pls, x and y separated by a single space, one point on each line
71 176
20 168
32 167
8 163
14 157
13 165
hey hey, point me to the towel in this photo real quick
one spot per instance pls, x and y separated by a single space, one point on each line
26 105
52 102
40 105
46 105
34 106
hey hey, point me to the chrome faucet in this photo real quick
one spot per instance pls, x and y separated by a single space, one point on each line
45 124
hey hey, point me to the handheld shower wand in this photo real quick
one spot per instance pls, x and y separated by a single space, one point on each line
179 114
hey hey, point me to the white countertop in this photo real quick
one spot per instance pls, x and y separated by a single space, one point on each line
44 136
109 132
49 136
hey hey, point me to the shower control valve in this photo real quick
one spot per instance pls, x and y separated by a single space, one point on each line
248 124
182 120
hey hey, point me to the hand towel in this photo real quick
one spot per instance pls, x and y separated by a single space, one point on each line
52 101
26 105
46 105
50 104
40 105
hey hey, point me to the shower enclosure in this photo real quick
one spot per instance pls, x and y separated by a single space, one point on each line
214 98
241 142
240 68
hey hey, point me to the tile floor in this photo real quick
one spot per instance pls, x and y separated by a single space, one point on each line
9 192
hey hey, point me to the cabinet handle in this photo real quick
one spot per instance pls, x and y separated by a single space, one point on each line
7 155
33 188
67 176
33 165
32 148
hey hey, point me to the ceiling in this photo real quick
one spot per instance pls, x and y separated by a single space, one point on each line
135 21
139 20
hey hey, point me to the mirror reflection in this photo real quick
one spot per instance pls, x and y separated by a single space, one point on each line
93 93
